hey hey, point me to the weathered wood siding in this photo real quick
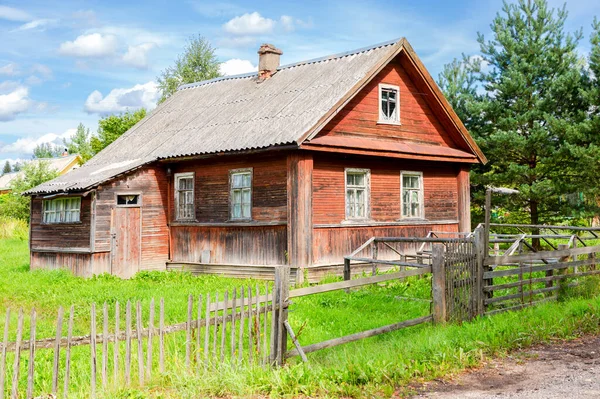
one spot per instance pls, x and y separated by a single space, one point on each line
418 122
333 237
62 235
151 184
262 241
80 264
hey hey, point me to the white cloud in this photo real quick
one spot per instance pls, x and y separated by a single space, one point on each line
121 100
26 145
14 99
287 22
9 69
42 70
91 45
35 24
249 24
33 80
13 14
137 56
236 66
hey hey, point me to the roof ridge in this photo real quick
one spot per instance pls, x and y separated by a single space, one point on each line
292 65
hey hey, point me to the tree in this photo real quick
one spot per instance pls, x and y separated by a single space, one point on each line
198 62
17 166
16 205
6 169
532 91
47 150
80 143
112 127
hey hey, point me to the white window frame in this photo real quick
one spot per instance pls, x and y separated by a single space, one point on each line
232 173
177 177
421 195
367 173
395 118
55 211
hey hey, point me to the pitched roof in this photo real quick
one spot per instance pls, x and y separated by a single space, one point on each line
61 164
234 113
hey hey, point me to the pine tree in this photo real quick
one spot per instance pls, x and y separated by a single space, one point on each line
6 169
533 86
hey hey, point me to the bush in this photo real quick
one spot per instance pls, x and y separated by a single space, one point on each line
11 228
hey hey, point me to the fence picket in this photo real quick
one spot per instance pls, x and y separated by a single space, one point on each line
128 344
241 336
30 373
265 326
233 316
17 362
250 357
140 343
198 325
59 322
206 331
215 330
224 325
93 350
161 337
104 345
188 331
3 360
150 333
116 345
68 353
256 324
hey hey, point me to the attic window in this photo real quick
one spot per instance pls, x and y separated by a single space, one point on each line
389 104
128 199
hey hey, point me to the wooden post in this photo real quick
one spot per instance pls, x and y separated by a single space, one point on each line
93 350
59 323
249 325
116 345
140 344
31 371
375 254
3 360
464 200
562 283
128 344
150 333
105 346
241 335
282 289
486 228
17 362
68 352
224 325
206 331
161 336
346 269
438 282
188 331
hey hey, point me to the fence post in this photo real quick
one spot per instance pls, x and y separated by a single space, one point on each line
346 269
438 282
479 237
562 283
280 297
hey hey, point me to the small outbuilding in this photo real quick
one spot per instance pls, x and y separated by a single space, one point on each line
297 164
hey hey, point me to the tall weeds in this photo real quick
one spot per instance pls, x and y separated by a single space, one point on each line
13 229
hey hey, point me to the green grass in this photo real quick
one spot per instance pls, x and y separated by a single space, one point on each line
374 367
11 228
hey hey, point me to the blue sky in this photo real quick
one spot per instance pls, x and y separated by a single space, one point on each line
66 62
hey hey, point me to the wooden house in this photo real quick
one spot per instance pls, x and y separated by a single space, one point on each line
298 164
63 164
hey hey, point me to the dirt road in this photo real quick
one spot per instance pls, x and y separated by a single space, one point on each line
563 370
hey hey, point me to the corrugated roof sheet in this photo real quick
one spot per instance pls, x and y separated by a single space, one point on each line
231 113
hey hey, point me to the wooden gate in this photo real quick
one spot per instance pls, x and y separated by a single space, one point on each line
460 260
126 241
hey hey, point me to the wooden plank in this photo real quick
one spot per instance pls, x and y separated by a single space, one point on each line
241 334
3 360
438 284
361 335
544 226
265 326
273 344
257 324
525 294
250 316
150 335
224 328
140 342
68 353
521 306
526 282
31 369
128 344
17 361
93 351
207 331
198 326
295 341
233 329
215 331
59 322
358 282
188 331
386 262
116 345
161 337
533 269
105 346
501 260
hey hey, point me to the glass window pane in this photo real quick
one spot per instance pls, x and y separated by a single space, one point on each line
246 210
236 180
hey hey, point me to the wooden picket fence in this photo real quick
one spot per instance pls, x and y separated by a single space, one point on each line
232 329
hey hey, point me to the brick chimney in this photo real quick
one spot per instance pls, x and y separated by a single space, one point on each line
268 61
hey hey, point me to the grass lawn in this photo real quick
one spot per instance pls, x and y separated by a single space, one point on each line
376 367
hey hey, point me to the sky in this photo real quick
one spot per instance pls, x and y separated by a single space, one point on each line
68 62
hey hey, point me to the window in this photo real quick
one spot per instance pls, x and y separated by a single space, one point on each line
357 193
389 100
62 210
412 194
128 199
240 181
184 196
